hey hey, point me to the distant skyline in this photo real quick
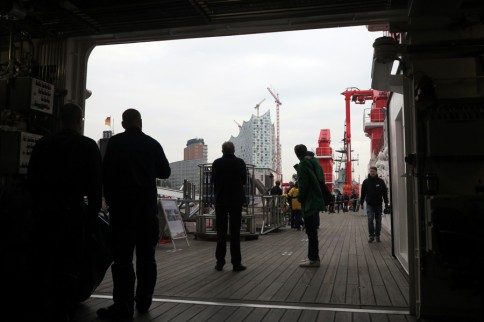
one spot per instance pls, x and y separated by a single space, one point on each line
197 88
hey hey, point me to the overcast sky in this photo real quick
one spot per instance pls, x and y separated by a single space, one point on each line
196 88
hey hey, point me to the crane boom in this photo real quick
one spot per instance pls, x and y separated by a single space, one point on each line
276 96
278 141
257 106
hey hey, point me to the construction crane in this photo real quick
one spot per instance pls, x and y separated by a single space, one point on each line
240 126
257 106
278 142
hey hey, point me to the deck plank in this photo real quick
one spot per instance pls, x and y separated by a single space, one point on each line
343 317
353 274
189 313
327 246
379 318
361 317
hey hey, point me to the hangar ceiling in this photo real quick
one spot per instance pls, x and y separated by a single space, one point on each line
130 20
37 19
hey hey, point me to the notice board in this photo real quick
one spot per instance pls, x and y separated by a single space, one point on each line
173 219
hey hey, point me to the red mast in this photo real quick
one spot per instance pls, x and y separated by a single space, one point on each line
358 97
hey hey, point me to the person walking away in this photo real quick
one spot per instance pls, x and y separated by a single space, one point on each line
374 192
296 207
229 175
132 162
346 200
339 201
312 202
64 169
354 200
331 205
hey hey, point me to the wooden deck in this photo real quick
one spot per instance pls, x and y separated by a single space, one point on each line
357 281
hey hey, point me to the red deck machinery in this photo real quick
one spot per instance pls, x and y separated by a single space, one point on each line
373 125
324 154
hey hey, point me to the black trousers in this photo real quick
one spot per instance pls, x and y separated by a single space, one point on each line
133 228
230 215
311 224
58 249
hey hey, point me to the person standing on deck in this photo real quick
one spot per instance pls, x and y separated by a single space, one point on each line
312 202
296 215
132 162
64 173
276 190
374 191
229 175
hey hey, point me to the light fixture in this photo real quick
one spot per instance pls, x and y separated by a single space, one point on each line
385 56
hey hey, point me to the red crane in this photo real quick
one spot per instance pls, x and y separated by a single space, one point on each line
278 142
358 97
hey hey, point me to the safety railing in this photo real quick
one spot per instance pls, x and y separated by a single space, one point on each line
373 117
273 214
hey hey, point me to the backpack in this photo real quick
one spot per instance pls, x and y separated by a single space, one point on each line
327 196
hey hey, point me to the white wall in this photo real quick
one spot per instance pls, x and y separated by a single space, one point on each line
398 184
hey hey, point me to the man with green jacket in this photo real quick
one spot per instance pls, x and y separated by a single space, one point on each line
311 198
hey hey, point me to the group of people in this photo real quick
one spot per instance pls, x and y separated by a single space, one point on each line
67 178
344 202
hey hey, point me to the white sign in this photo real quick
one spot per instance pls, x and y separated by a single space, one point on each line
173 218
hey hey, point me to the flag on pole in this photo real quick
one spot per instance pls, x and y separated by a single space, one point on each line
108 121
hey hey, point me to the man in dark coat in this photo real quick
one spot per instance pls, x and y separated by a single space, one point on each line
64 169
311 198
276 190
229 175
374 191
132 162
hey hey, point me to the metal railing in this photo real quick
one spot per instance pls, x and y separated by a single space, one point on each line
273 213
373 117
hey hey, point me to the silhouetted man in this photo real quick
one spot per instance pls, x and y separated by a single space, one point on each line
229 175
64 174
132 162
276 190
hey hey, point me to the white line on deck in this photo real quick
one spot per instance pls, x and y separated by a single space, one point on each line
273 306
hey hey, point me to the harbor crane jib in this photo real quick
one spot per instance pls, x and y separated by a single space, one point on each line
278 141
357 96
258 105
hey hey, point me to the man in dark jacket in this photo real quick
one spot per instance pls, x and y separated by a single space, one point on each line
64 169
229 175
276 190
374 191
311 199
132 162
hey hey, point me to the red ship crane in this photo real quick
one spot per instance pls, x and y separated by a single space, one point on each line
278 143
358 97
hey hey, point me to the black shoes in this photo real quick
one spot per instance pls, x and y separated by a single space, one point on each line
310 263
114 312
239 268
372 239
142 307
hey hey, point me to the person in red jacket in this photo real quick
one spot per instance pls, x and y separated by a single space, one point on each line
374 191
